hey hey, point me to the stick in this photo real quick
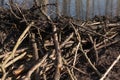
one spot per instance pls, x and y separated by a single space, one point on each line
109 69
56 43
21 38
63 44
15 59
11 62
35 67
35 53
58 53
69 71
17 52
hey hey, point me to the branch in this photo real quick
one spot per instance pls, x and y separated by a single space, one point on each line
58 53
35 53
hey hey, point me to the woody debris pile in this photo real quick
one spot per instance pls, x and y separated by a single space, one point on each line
35 46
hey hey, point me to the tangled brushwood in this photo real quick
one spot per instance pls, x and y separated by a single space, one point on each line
35 46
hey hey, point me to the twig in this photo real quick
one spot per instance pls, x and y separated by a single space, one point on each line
92 24
21 13
35 53
73 74
44 76
85 28
58 53
99 23
94 46
63 44
21 38
66 40
35 67
69 71
101 44
4 76
111 37
11 10
109 69
75 57
85 54
15 59
79 70
108 44
77 47
11 62
57 46
17 52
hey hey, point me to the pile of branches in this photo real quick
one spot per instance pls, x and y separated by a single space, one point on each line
42 48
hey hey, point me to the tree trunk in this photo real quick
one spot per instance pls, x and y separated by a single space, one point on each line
77 3
88 9
1 2
118 8
66 6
